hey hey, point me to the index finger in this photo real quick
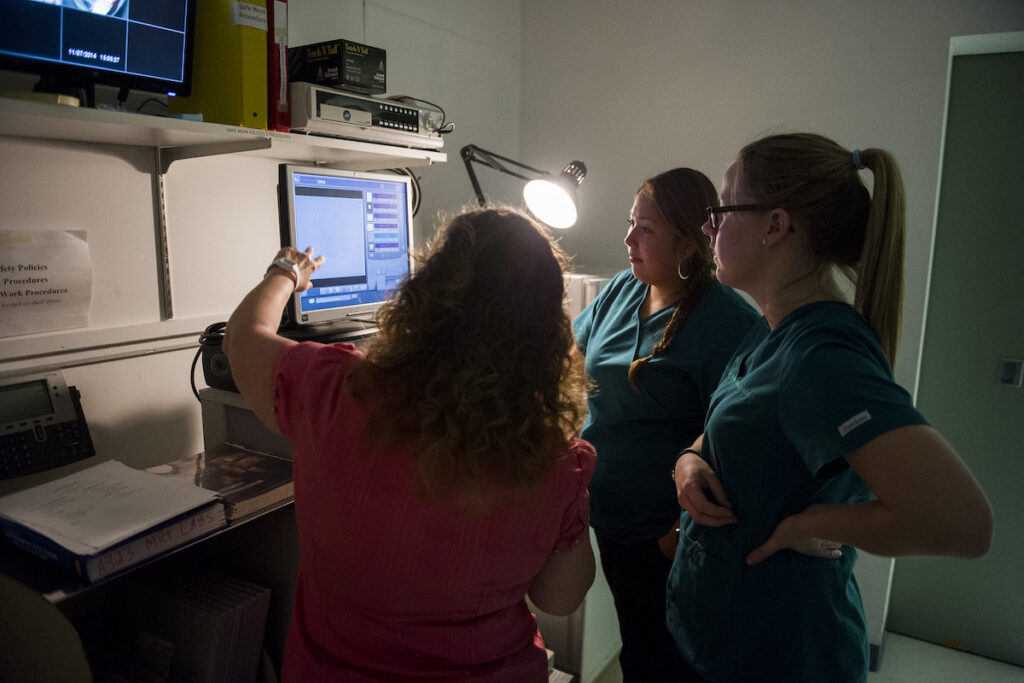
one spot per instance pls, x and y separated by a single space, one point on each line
717 490
706 512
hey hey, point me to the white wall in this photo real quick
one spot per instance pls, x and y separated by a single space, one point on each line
222 211
636 88
463 55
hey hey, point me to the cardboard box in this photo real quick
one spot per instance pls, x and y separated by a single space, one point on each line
340 64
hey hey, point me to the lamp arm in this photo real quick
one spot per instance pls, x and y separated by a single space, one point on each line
467 159
472 153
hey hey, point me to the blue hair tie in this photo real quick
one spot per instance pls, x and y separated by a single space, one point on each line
856 160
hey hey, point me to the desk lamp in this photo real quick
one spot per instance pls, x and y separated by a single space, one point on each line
551 198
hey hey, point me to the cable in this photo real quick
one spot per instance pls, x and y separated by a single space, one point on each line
148 100
362 318
415 187
212 335
192 374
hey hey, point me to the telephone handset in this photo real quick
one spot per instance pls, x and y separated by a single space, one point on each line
42 424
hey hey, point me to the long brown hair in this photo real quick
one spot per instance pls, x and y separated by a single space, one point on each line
474 357
682 196
862 234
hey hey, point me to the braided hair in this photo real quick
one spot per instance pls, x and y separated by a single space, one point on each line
682 195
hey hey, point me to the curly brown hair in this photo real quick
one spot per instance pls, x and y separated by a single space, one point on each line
474 362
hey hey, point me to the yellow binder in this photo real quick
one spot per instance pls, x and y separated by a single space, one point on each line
229 65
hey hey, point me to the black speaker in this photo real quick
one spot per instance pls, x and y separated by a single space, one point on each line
216 370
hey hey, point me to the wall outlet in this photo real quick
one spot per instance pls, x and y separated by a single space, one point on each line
1011 372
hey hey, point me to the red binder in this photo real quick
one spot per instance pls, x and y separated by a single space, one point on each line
277 66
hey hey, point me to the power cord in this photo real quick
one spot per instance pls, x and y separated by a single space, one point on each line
415 186
146 101
212 335
192 373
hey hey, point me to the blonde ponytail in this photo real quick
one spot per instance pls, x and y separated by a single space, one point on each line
862 234
879 296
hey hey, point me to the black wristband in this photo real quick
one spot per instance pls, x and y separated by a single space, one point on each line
681 454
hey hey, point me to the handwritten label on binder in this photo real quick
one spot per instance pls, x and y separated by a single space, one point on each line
245 14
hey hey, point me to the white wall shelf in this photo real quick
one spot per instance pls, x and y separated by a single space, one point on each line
179 139
170 139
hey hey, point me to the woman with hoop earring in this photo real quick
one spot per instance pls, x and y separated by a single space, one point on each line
656 340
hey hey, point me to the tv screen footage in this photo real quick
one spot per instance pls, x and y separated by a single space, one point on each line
362 224
136 44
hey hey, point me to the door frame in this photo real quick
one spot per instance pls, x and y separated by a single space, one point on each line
980 44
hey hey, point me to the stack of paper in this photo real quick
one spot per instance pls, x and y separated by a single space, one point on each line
107 518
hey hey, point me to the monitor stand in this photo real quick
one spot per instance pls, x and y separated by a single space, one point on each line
330 333
62 88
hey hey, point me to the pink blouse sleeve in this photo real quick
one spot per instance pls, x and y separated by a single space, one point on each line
302 373
576 519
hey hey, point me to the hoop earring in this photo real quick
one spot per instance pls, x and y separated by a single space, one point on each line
679 272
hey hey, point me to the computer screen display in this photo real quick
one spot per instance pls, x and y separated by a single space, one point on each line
362 224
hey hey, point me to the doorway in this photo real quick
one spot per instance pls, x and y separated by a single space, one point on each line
974 324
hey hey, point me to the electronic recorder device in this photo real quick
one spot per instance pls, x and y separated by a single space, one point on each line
337 113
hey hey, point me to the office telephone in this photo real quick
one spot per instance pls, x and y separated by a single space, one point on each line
42 424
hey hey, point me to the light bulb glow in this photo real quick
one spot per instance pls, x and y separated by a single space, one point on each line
550 202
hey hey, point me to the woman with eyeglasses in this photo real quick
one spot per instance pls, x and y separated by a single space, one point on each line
655 340
810 447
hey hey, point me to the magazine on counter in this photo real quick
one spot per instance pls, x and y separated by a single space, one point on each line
246 480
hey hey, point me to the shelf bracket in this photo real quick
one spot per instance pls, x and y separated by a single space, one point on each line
168 155
163 250
164 157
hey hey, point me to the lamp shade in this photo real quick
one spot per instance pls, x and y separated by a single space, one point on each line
552 199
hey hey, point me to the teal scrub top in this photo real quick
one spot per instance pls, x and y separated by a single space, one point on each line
638 434
791 404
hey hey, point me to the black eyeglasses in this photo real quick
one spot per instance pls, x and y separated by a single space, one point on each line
713 211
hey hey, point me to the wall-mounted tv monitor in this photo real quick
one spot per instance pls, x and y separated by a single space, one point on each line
362 224
76 44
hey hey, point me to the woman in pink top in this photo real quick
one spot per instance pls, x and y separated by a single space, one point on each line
437 480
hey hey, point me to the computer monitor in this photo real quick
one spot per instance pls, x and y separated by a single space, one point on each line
76 44
362 224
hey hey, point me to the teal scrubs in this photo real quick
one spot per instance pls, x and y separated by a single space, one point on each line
638 434
791 404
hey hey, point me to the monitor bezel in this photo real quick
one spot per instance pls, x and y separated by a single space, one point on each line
354 313
68 75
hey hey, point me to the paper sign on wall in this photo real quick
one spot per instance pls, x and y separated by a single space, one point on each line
45 281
